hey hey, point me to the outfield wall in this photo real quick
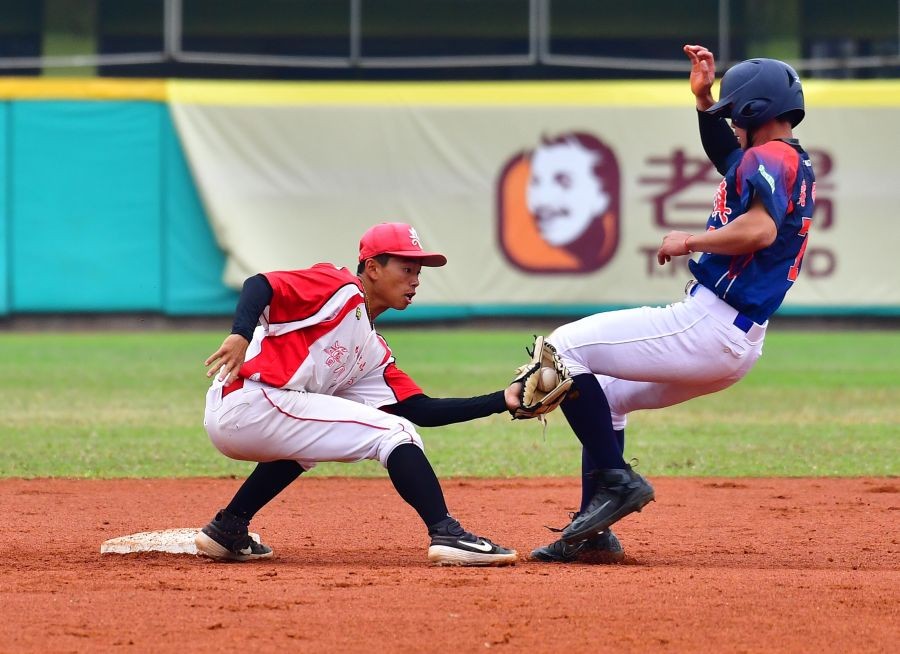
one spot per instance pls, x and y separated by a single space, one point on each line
126 196
99 212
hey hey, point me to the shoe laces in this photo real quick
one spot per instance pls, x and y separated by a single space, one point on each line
563 548
572 516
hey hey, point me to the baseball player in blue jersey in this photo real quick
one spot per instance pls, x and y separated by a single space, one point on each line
750 256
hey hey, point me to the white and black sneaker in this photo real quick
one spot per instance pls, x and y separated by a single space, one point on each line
226 538
453 545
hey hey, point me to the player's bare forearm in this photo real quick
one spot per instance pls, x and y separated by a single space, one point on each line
228 359
747 233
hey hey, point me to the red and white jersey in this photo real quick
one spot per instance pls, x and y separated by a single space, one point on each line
316 336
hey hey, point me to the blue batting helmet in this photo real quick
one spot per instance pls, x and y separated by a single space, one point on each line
758 90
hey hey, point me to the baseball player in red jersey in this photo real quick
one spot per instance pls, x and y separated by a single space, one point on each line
752 249
304 377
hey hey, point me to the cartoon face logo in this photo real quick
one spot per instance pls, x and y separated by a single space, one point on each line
558 205
563 193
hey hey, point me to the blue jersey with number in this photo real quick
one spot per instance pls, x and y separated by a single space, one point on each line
781 175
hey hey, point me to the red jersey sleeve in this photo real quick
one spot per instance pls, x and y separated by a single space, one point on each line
400 383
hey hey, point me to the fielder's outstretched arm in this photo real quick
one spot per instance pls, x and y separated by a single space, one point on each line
425 411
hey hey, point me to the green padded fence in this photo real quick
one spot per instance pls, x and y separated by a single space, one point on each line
98 213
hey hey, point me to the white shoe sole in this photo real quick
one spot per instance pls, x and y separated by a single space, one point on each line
206 546
443 555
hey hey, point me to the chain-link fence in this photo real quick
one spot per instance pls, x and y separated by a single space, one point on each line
371 38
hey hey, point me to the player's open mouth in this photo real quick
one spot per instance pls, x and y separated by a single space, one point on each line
409 297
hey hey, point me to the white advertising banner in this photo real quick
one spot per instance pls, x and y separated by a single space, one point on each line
543 196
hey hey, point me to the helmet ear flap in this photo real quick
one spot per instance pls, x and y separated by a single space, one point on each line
754 108
793 117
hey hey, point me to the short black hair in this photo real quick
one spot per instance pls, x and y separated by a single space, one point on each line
382 260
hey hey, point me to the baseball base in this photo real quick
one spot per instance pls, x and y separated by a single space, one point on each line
171 541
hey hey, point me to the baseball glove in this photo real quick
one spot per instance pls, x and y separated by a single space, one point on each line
545 382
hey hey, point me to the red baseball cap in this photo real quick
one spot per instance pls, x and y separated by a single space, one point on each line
399 240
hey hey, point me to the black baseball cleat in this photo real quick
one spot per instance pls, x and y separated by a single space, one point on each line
602 548
618 493
453 545
226 538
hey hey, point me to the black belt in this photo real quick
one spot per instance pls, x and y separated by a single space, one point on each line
742 322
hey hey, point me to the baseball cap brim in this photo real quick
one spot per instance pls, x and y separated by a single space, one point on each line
430 259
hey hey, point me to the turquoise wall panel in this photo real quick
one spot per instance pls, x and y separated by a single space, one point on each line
4 214
193 262
86 206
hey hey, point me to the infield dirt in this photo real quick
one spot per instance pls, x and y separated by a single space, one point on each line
715 565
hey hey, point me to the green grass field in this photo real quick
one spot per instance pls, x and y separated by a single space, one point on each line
131 405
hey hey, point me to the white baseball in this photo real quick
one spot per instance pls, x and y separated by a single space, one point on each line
547 379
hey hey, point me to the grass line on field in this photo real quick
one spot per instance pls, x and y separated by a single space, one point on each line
131 405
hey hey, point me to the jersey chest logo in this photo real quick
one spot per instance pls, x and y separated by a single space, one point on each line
720 206
334 354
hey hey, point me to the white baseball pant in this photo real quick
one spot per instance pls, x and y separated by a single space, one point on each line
262 423
653 357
